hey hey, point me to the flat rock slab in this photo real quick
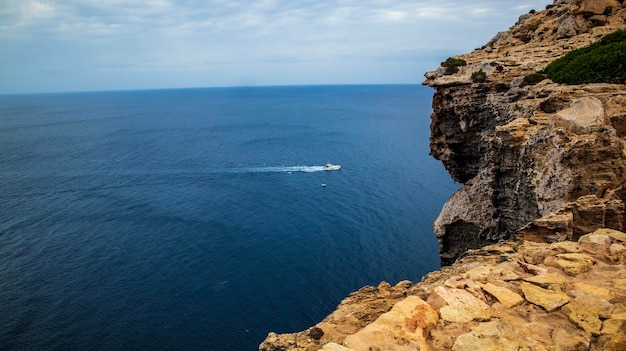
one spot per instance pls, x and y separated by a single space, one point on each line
548 299
505 296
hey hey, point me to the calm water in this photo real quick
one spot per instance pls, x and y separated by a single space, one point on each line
195 219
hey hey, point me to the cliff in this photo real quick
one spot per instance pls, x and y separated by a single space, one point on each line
532 245
546 159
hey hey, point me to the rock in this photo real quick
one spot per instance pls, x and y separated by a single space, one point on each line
617 252
619 285
456 282
471 342
595 242
565 247
464 314
548 279
546 159
442 296
505 296
331 346
616 235
616 343
614 326
593 289
405 325
480 274
597 20
601 307
584 113
619 313
567 340
589 8
531 268
584 317
572 263
548 299
316 333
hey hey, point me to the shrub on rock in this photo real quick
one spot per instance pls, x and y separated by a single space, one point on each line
600 62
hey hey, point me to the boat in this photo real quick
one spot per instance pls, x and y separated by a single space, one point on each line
331 167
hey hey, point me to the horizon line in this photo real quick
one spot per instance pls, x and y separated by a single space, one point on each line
207 87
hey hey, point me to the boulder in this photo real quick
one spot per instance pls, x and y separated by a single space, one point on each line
588 8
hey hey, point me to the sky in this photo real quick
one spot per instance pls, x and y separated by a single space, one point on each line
91 45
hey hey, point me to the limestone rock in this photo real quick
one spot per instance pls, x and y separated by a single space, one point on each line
546 159
471 342
593 289
617 252
583 316
571 263
613 234
548 299
505 296
402 328
614 326
584 113
464 314
547 279
592 7
619 313
565 247
442 296
571 341
595 242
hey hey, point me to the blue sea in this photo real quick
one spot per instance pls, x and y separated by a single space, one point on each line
196 219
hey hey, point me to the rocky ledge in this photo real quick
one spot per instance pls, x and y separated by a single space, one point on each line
533 239
516 295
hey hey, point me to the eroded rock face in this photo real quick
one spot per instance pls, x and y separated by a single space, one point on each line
546 157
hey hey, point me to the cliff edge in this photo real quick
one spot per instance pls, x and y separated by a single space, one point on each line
532 245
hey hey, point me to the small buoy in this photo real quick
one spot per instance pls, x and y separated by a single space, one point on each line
323 185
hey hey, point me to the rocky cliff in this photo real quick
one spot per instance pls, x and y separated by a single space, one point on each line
546 158
533 239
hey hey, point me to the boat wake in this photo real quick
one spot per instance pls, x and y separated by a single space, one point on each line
282 169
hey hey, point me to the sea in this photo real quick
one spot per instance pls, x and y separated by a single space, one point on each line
202 219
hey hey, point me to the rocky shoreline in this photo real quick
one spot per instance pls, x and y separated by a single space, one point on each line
532 245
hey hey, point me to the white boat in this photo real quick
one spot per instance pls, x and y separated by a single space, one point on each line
331 167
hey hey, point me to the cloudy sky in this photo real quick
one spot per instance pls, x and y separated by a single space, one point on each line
78 45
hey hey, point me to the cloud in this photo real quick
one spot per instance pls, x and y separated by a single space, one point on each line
118 36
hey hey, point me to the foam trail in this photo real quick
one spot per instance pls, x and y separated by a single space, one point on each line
283 169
